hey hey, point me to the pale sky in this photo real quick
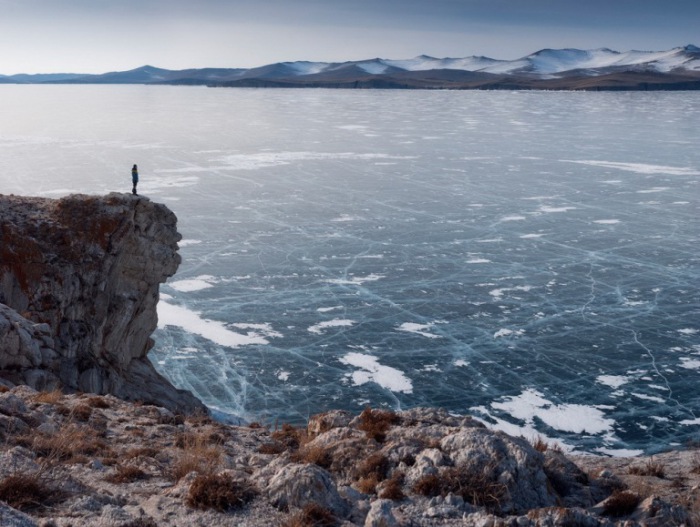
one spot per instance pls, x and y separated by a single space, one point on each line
97 36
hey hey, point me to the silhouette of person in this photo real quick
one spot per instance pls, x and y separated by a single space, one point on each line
134 178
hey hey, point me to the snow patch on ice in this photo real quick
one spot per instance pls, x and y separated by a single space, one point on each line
614 381
193 284
576 418
607 222
372 371
337 323
215 331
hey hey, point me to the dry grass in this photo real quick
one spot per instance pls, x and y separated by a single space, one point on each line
52 397
376 464
376 423
314 454
292 438
28 492
195 454
271 448
312 515
540 444
219 492
650 468
477 486
367 484
621 503
98 402
69 443
141 452
393 488
126 474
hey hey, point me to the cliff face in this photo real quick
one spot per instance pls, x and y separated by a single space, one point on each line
79 280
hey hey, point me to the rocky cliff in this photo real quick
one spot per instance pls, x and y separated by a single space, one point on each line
79 279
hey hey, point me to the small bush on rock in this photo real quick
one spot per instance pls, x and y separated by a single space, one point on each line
27 492
318 455
376 423
428 485
219 492
312 515
620 503
126 474
650 468
393 488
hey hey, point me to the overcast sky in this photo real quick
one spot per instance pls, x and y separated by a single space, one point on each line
96 36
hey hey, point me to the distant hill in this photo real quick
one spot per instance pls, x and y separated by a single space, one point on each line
550 69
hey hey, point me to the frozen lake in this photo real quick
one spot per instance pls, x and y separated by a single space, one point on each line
530 258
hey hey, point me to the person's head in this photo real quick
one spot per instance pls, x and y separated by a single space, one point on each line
135 167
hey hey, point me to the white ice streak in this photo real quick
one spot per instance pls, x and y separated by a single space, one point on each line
355 280
215 331
576 418
607 222
371 371
419 329
498 293
639 168
319 328
193 284
262 160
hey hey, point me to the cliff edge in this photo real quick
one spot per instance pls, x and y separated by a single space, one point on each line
79 279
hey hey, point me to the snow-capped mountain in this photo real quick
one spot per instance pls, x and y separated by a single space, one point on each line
677 68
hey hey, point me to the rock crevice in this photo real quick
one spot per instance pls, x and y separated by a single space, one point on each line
79 279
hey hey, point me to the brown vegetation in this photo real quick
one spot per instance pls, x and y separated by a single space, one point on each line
650 468
126 474
621 503
312 515
219 492
28 492
376 423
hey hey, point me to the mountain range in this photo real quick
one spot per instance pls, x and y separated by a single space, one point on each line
562 69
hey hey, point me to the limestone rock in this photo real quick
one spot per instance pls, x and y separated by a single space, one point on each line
381 515
295 486
79 279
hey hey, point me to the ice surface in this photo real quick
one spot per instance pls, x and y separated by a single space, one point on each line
330 237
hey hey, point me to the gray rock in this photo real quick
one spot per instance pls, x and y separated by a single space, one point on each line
10 517
381 515
295 486
79 279
503 461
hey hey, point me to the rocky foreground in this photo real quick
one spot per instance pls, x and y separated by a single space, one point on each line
87 460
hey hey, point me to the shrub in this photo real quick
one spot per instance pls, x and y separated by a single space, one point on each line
141 452
540 445
98 402
141 522
273 447
392 490
650 468
196 455
367 484
316 454
67 444
428 485
376 423
620 503
376 464
126 474
475 485
219 492
27 492
289 436
51 397
312 515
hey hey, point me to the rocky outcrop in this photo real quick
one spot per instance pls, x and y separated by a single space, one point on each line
79 279
86 460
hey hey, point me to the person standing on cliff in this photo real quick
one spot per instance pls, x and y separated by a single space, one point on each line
134 178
